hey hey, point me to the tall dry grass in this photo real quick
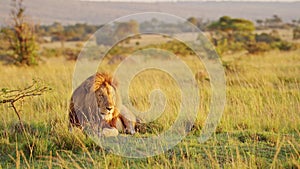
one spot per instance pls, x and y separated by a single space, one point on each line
259 128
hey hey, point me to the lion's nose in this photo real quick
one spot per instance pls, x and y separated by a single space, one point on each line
109 108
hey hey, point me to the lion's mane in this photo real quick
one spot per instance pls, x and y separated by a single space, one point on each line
83 105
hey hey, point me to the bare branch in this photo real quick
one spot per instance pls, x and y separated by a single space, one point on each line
12 96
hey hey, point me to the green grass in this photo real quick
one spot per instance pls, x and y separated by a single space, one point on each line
260 127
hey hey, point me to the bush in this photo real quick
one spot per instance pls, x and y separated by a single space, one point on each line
267 38
21 36
260 47
265 42
224 47
284 46
296 33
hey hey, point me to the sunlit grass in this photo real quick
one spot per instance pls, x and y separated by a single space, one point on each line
259 127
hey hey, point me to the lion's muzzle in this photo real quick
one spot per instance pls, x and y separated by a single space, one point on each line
106 114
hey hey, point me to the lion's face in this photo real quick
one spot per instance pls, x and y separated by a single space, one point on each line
106 99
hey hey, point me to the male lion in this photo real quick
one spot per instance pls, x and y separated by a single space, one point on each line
95 105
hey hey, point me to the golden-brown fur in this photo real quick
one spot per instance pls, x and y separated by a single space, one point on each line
96 104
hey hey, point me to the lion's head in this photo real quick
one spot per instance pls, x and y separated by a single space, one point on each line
106 96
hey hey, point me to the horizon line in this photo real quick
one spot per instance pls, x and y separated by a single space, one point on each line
155 1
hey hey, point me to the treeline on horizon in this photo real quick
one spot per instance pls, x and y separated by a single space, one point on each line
227 34
82 31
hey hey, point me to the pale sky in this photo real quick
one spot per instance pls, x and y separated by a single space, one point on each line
192 0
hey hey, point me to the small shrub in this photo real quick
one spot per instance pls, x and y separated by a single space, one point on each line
296 33
260 47
267 38
284 46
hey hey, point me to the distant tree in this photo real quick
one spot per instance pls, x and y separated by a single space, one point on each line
294 21
57 31
62 33
277 19
259 23
70 33
198 22
126 28
21 36
79 31
231 33
296 33
274 22
267 38
193 20
228 24
105 36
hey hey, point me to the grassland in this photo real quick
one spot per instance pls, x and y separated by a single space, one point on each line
260 127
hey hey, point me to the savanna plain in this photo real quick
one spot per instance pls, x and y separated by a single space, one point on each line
260 126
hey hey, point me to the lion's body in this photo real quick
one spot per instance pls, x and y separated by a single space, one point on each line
95 105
